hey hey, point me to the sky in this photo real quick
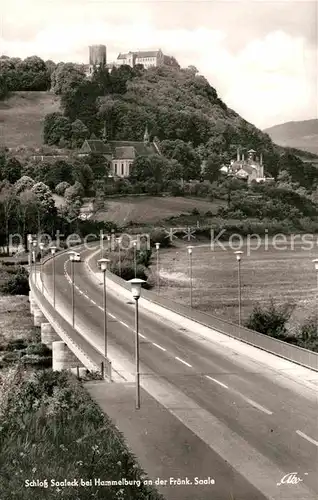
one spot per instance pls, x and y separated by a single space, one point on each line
261 56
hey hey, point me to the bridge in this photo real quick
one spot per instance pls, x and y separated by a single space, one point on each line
240 393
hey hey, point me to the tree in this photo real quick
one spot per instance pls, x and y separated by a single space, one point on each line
23 184
61 188
11 170
185 155
85 177
46 204
79 133
66 77
99 165
28 209
7 205
75 191
270 320
57 128
81 103
145 168
212 167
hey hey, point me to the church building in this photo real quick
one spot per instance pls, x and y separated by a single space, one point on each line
250 169
121 154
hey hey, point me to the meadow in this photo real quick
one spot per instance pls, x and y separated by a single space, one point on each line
285 275
150 209
22 116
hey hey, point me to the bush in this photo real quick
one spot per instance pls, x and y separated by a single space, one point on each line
195 211
270 320
16 344
128 271
18 284
38 349
36 360
160 236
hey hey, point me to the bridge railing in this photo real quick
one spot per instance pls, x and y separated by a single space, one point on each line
299 355
86 351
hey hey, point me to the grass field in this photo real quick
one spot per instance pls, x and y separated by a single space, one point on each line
284 275
152 209
21 118
15 318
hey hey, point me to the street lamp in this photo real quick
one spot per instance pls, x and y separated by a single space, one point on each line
136 291
103 265
315 261
34 245
41 245
158 276
190 271
53 250
72 256
135 257
119 255
238 254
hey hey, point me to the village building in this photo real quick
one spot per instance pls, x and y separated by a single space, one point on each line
250 169
120 154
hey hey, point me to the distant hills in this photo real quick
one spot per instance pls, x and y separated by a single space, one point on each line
299 134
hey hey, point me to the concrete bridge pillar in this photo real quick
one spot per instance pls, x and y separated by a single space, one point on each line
48 335
39 317
32 302
63 357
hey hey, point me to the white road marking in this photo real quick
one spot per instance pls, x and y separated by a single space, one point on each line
311 440
250 401
256 405
182 361
216 381
141 335
159 346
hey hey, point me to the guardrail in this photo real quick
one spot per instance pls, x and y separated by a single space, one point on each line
290 352
85 350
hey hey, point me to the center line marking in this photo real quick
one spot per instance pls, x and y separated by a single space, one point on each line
159 346
182 361
216 381
256 405
302 434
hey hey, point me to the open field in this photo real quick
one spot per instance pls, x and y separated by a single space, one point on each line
15 318
22 116
152 209
284 275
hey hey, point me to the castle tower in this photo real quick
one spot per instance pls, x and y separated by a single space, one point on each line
97 55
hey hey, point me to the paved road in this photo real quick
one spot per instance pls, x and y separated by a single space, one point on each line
279 427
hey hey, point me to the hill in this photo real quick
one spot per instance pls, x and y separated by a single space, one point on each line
296 134
22 115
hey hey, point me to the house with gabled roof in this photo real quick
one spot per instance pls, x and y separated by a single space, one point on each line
121 154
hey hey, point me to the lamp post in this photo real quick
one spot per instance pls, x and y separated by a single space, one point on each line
315 261
119 255
238 254
34 245
102 243
190 271
135 257
53 250
103 265
41 245
136 291
158 275
73 287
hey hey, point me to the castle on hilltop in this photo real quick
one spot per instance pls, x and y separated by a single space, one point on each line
148 58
